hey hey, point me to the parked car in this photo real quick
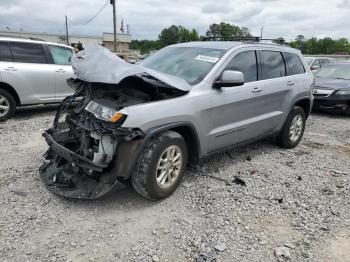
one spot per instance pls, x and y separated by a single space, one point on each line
32 72
332 88
183 104
316 63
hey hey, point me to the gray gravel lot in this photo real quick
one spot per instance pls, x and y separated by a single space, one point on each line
256 203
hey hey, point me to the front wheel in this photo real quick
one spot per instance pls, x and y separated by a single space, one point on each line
161 166
293 128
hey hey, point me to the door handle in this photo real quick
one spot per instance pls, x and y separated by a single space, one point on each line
11 68
291 83
257 90
60 71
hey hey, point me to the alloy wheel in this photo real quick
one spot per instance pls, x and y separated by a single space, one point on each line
296 128
169 167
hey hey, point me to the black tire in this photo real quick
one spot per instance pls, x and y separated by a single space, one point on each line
11 103
284 139
144 176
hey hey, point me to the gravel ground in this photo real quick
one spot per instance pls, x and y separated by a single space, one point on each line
257 203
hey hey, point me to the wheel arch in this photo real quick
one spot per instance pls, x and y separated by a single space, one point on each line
12 91
305 104
188 132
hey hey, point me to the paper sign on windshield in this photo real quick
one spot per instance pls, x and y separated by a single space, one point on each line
205 58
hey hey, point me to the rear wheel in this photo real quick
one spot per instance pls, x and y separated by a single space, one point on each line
7 105
161 166
293 128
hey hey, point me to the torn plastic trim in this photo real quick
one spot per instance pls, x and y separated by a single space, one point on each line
70 156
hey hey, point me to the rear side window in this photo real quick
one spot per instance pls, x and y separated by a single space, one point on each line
60 55
245 62
293 64
272 65
5 52
28 53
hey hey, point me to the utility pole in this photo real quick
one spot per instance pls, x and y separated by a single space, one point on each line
67 35
261 32
114 26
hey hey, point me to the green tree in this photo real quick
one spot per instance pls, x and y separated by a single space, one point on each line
177 34
325 46
227 30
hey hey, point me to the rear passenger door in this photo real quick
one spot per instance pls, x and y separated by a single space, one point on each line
63 70
277 94
26 70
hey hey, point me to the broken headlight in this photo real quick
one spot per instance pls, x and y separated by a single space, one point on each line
104 113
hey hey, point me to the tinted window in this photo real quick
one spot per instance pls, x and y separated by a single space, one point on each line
28 53
5 52
294 65
60 55
272 65
245 62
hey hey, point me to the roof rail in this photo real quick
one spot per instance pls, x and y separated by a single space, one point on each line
248 39
22 37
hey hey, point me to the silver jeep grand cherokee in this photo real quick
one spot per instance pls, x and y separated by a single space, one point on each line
32 72
185 103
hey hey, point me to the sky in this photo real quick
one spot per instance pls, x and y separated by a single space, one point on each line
279 18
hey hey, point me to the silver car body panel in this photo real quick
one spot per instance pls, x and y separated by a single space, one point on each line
221 118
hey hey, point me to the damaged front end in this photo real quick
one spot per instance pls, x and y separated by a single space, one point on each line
89 149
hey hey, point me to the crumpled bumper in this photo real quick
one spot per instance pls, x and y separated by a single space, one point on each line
67 173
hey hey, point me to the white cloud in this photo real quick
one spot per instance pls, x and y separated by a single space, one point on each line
286 18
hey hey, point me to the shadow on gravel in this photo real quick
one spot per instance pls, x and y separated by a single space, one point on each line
330 115
30 111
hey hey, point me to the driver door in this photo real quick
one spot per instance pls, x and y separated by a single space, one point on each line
236 111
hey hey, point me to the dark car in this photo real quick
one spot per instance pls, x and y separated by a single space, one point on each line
332 88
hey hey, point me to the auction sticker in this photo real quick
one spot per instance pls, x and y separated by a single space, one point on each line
205 58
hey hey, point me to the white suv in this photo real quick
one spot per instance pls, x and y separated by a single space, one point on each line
32 72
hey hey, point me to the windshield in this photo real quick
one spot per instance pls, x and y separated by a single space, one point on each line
309 61
335 72
189 63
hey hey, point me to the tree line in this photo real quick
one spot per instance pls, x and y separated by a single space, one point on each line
179 34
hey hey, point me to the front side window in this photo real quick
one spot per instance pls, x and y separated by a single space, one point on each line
28 53
246 63
272 65
5 52
189 63
61 55
293 64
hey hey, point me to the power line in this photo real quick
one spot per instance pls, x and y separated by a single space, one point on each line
93 17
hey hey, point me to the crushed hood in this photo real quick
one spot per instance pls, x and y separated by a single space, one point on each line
98 65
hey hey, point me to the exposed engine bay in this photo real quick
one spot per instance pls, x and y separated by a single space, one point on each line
89 149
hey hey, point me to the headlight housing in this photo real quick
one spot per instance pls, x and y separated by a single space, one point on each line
343 92
105 113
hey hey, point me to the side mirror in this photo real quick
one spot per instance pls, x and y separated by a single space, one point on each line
229 78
